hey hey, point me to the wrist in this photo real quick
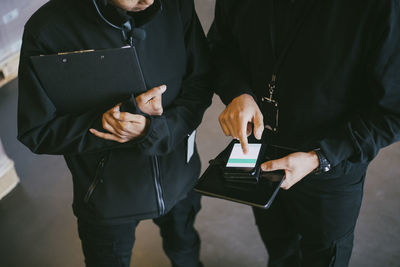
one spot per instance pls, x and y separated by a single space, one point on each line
314 159
242 97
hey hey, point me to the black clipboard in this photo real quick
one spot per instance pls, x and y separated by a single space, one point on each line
262 194
84 80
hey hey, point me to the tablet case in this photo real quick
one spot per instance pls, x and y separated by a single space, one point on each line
84 80
212 183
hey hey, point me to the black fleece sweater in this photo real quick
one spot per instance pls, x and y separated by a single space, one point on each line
143 178
339 85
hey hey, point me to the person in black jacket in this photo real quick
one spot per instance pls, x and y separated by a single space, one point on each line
135 160
321 77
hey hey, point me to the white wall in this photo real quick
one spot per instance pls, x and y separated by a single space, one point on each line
13 15
8 176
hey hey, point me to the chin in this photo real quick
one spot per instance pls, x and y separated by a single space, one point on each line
138 9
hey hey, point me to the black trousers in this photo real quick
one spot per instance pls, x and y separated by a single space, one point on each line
111 245
312 224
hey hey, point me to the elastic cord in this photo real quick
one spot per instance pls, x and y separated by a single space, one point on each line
103 18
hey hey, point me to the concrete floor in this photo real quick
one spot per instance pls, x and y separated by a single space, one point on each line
37 227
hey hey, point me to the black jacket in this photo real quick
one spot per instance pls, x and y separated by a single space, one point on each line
339 86
143 178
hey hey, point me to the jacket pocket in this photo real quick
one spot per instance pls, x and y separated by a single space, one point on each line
97 179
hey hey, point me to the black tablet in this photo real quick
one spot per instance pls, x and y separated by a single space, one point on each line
213 182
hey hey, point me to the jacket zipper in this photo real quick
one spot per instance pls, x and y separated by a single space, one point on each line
137 62
159 191
95 182
157 183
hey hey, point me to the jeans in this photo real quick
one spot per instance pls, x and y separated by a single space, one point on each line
111 245
312 224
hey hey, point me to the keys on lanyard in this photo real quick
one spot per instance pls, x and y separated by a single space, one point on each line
269 104
270 107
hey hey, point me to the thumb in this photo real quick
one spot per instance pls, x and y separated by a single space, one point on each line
116 107
258 124
156 106
273 165
154 92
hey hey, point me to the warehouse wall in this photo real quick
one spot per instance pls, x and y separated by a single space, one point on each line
13 15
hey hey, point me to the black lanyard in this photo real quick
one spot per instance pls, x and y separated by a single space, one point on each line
279 59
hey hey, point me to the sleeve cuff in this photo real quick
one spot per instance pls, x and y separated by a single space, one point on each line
129 105
228 96
337 149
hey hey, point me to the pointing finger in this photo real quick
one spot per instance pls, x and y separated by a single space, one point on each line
243 139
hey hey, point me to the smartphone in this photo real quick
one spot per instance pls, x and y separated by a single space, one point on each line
242 166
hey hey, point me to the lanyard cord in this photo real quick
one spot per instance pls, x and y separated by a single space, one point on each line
272 28
126 28
279 59
104 19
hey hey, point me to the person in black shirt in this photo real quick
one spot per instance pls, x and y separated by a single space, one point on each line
135 160
320 77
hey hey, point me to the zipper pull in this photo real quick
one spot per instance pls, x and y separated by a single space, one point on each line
101 165
272 86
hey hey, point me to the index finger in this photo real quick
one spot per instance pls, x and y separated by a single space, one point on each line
126 116
243 139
